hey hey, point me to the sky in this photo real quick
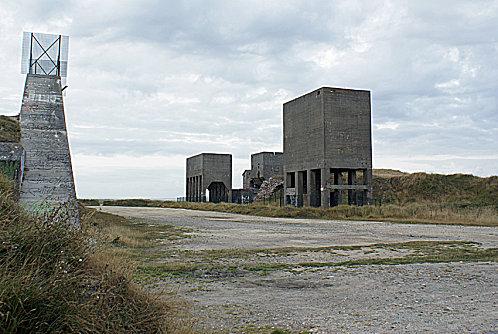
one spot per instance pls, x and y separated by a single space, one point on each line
153 82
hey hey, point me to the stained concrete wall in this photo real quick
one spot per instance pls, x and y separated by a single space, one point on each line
204 169
304 127
48 176
267 164
327 137
347 133
246 179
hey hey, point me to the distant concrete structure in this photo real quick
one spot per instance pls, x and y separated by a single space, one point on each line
328 148
48 175
212 173
246 179
264 165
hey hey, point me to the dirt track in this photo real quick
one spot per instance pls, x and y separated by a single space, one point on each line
451 297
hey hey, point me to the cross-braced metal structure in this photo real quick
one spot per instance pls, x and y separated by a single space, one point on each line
44 54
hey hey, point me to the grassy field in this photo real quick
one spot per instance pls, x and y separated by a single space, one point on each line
55 279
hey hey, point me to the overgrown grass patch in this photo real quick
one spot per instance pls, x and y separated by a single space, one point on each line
56 279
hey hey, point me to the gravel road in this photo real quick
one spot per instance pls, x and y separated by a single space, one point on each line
456 297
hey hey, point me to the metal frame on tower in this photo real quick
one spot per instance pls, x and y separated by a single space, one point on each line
44 54
57 66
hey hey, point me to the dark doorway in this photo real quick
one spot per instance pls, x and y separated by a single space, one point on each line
218 192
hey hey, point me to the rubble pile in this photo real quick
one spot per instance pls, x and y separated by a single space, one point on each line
268 187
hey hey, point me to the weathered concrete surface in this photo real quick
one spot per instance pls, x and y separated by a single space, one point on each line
264 165
211 171
413 298
327 131
48 178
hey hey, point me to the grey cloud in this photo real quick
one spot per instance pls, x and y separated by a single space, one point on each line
171 79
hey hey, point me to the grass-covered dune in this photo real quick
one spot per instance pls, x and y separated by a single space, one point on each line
54 279
462 190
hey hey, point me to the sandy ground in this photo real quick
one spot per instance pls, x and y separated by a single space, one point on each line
412 298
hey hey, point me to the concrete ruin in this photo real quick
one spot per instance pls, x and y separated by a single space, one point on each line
264 165
328 148
48 182
209 173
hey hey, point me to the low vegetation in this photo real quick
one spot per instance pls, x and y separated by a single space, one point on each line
409 213
220 263
9 129
400 197
54 279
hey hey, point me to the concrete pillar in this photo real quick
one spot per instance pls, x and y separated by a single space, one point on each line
197 189
325 176
338 192
189 189
307 197
299 188
186 189
201 186
192 188
351 192
367 179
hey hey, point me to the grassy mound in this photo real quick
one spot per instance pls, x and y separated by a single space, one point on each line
9 129
54 279
458 190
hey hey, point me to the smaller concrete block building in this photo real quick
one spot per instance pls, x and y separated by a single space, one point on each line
264 165
267 164
246 179
328 148
209 172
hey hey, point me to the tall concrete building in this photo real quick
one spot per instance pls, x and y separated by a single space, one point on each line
328 148
264 165
48 175
211 172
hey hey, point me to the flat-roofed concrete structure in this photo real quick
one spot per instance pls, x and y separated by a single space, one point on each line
267 164
328 148
246 179
209 172
264 165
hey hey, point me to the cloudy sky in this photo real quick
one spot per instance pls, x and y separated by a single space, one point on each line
152 82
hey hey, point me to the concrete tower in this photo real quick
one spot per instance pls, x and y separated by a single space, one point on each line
328 148
48 182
